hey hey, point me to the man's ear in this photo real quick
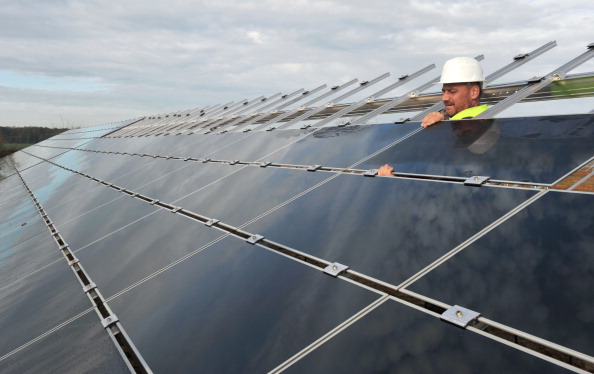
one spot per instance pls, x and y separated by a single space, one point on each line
475 92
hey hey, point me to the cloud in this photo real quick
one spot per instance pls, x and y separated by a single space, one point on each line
154 57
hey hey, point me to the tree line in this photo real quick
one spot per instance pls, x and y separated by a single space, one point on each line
14 138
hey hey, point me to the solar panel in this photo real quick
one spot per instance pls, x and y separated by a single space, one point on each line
394 338
537 279
220 312
165 244
532 149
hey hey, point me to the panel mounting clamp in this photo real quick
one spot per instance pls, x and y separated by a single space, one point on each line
264 164
476 181
73 262
89 287
211 222
535 80
233 162
459 316
176 209
153 202
335 269
109 320
314 167
370 173
254 239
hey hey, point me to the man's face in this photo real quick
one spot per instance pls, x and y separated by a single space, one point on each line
457 97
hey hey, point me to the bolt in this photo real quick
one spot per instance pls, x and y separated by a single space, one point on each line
476 178
459 314
334 267
108 319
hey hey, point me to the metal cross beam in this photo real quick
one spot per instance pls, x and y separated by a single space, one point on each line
537 84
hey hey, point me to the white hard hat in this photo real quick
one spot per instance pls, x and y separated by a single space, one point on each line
462 70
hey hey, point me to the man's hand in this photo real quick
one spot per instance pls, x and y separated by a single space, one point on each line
386 171
432 118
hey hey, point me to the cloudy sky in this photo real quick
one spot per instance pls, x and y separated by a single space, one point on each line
81 63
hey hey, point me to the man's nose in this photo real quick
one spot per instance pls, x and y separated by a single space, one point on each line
445 96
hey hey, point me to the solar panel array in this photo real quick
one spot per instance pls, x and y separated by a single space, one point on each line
270 251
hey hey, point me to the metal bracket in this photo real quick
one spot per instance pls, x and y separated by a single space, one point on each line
314 167
176 209
264 164
233 162
521 56
204 160
459 316
343 124
73 262
109 320
89 287
254 239
370 173
211 222
335 269
476 181
535 80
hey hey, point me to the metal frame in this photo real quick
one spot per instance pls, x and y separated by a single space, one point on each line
362 86
242 120
275 111
350 108
279 118
537 84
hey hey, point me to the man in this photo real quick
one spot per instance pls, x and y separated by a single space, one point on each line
462 79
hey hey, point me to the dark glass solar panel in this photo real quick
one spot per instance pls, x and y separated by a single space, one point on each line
397 339
385 227
188 178
22 161
254 146
37 302
27 256
533 272
45 179
129 255
82 346
535 149
19 228
340 146
102 166
230 314
242 196
81 224
242 308
194 145
149 171
84 197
